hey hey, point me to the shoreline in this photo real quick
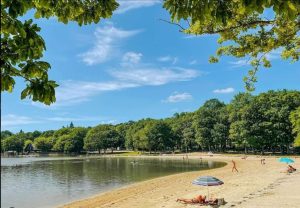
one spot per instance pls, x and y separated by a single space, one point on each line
254 181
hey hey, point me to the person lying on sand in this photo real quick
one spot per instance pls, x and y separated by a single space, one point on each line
291 168
197 200
244 157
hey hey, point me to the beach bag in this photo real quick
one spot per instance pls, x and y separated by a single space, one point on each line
221 201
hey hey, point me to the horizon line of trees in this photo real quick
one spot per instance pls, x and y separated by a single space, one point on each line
269 122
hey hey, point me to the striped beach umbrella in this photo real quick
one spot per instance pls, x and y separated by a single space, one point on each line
207 181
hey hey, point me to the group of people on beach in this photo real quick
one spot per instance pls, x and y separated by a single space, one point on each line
202 199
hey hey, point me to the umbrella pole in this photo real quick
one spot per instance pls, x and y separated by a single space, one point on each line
207 192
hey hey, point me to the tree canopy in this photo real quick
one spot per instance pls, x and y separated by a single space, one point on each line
295 119
22 47
247 29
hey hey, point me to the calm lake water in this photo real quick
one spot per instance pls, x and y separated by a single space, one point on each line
37 182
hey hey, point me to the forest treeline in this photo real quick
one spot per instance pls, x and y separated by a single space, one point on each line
269 122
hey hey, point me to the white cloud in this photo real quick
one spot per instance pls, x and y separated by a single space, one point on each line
154 76
193 62
224 91
12 121
239 63
126 5
15 120
168 58
275 54
178 97
106 45
74 92
131 58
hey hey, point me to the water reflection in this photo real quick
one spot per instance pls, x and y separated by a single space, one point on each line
46 182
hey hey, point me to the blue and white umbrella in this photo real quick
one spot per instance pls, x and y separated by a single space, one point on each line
286 160
207 181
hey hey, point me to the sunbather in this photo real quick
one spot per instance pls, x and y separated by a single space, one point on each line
291 169
197 200
212 201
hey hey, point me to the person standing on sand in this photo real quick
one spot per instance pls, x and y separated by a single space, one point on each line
234 166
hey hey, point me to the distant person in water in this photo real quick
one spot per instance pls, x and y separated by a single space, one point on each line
198 199
234 166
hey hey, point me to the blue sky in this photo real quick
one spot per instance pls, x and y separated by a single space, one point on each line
133 66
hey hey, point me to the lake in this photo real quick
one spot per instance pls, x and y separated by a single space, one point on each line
42 182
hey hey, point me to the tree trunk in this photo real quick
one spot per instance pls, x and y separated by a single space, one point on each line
262 150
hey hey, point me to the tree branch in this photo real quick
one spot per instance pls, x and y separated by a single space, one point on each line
173 23
248 24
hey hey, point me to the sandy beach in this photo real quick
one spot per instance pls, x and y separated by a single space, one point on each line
255 185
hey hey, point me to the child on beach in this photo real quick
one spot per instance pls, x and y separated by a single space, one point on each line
234 166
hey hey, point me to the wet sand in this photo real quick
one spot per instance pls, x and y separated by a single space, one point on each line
255 185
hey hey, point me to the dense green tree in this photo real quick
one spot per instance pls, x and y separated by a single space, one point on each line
135 136
62 131
247 29
5 134
267 119
266 122
295 120
159 136
43 143
101 137
140 140
48 133
28 146
122 130
35 134
129 136
71 142
22 47
220 131
237 110
59 143
205 121
183 130
188 138
13 143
